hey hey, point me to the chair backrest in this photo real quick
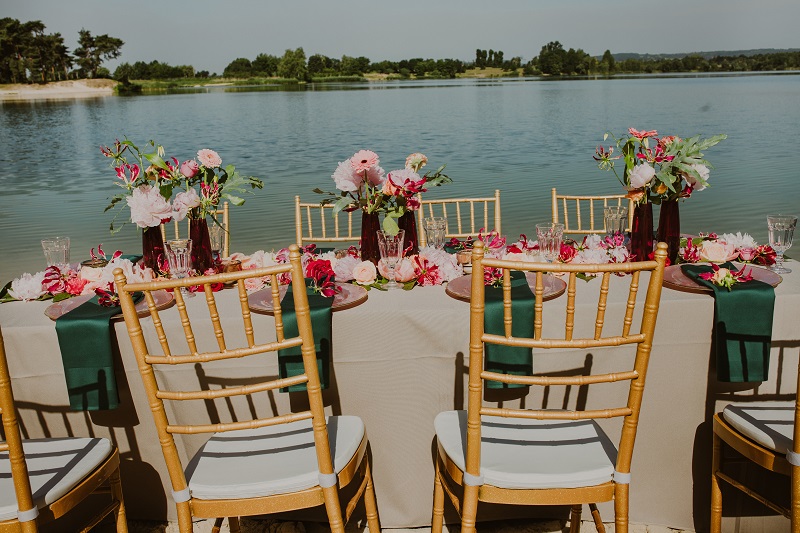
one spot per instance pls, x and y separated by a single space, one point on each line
13 440
583 215
316 223
464 217
220 215
641 339
162 355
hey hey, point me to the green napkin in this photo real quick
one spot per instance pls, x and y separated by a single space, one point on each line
742 326
85 336
290 360
509 359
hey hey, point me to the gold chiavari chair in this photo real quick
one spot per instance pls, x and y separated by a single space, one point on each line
583 215
221 215
768 435
41 480
548 456
252 465
313 223
464 217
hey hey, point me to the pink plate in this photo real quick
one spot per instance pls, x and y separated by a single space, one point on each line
163 300
350 296
460 288
675 279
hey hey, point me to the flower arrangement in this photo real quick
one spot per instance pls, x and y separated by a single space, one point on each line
148 181
658 168
724 277
726 247
363 184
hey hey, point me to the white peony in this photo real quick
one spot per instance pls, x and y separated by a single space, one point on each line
101 277
449 269
27 287
641 175
148 207
739 240
343 268
698 185
184 201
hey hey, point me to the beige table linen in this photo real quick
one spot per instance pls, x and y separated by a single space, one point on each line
398 360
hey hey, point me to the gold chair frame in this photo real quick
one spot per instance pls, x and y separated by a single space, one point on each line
357 469
226 223
450 479
335 231
568 200
104 479
463 207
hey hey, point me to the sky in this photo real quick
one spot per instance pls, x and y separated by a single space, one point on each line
209 34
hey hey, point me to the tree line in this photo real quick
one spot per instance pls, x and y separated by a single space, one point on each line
29 55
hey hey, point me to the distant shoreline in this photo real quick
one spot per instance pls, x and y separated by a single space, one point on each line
58 90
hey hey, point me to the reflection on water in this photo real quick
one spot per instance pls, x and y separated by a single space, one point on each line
522 136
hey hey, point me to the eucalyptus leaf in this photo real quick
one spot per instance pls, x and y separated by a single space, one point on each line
390 226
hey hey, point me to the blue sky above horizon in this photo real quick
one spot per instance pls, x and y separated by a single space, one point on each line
209 34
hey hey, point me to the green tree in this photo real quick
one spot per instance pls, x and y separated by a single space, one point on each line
608 61
238 68
92 51
293 65
265 65
551 58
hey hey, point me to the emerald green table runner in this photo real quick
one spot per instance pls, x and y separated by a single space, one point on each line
290 360
742 326
85 339
509 359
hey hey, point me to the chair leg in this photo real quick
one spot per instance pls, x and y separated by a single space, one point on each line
621 508
233 524
469 508
575 518
370 502
437 521
217 525
116 493
334 508
184 517
716 493
794 514
598 520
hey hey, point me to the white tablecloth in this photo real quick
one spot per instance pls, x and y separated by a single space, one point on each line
398 360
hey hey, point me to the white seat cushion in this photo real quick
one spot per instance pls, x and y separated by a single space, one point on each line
55 466
531 454
269 460
770 424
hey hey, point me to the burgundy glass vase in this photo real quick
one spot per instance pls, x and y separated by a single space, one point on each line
408 222
642 232
370 225
202 259
669 228
152 247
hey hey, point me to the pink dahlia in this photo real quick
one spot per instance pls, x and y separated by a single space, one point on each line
364 160
209 158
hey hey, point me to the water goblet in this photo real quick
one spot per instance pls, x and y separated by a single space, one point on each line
549 236
391 248
781 230
56 252
216 233
179 257
435 228
615 219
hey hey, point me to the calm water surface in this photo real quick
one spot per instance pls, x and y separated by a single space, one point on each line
521 136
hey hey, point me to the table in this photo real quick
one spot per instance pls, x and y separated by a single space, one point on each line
398 360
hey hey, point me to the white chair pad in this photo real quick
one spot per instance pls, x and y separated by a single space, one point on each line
55 467
269 460
531 454
770 424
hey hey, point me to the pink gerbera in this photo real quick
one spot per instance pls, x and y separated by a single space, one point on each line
364 160
209 158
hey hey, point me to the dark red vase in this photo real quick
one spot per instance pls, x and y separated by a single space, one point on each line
202 259
669 228
370 225
408 222
642 232
152 247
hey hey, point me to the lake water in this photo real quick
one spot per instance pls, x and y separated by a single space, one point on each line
522 136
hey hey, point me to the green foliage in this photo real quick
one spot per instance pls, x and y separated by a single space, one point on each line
293 65
94 50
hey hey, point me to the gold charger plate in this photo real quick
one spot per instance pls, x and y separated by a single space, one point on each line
349 297
675 279
460 288
163 300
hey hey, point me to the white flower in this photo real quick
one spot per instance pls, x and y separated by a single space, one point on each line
593 255
641 175
698 185
365 273
716 251
27 287
739 240
449 269
101 277
343 268
619 254
183 202
593 241
148 207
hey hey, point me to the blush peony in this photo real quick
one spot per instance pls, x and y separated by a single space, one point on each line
641 175
716 251
184 201
148 207
27 287
365 273
346 178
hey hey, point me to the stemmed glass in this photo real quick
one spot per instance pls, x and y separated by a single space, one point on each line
179 257
781 230
549 236
216 232
391 247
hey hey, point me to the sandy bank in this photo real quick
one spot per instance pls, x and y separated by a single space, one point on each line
58 90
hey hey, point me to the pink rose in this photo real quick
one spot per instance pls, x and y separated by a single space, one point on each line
365 273
641 175
716 251
75 285
209 158
190 168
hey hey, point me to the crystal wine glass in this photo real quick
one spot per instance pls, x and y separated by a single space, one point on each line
179 257
781 229
391 247
216 232
549 236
